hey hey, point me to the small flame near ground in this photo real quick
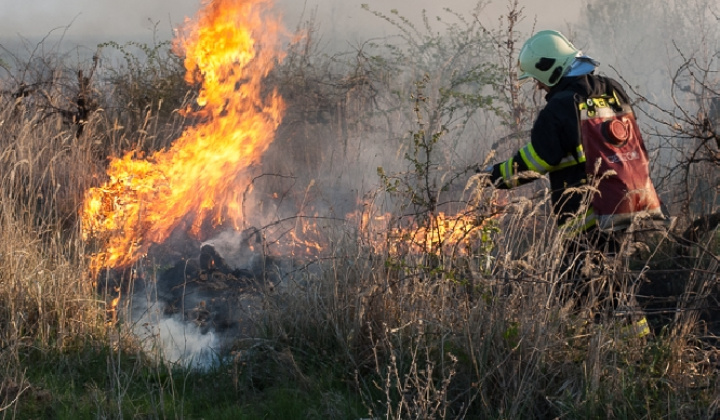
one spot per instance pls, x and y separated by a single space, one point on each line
228 50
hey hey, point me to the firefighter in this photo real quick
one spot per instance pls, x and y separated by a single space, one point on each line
585 135
586 130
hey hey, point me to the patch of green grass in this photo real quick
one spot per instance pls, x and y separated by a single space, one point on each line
103 382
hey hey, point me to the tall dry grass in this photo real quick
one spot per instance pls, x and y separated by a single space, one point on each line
47 299
426 336
49 304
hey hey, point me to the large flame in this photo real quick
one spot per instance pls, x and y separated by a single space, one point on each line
229 50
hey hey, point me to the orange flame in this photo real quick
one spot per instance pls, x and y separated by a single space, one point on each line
458 234
229 51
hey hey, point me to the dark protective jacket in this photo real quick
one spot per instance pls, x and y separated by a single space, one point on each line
555 145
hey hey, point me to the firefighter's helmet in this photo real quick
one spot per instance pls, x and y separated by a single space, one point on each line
546 57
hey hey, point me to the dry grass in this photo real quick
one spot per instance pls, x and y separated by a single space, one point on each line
428 337
48 303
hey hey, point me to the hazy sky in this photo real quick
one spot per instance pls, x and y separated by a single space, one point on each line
123 20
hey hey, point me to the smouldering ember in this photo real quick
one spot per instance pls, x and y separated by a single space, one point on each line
228 50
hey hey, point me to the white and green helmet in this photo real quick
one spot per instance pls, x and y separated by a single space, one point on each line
546 57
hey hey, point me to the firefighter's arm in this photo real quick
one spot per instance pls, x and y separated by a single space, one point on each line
514 171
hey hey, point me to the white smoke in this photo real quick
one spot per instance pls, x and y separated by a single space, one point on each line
232 246
173 340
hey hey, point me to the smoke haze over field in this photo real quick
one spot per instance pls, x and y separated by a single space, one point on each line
90 21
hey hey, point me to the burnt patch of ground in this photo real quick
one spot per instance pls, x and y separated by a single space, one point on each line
190 281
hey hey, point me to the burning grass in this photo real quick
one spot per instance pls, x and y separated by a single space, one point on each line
427 340
229 51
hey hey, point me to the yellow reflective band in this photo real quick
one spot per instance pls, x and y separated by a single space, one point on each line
533 161
598 107
596 113
600 102
570 160
637 329
506 170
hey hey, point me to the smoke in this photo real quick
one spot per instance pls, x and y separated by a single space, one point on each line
233 248
172 339
342 23
191 312
665 64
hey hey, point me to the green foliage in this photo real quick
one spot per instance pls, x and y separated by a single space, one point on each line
456 66
437 100
88 382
